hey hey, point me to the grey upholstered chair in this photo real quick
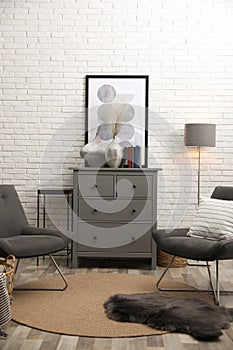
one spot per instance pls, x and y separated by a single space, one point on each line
177 243
22 240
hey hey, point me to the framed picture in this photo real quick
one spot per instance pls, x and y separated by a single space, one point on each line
117 107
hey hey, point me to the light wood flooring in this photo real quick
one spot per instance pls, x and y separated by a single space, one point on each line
25 338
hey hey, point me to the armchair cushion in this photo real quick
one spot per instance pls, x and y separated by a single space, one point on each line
176 242
214 220
24 247
30 230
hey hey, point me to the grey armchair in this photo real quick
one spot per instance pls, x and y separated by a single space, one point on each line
177 243
20 239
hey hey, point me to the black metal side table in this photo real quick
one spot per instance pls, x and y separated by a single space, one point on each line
68 192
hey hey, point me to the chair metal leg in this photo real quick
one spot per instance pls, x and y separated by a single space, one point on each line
48 289
162 276
211 283
214 290
60 272
189 264
171 290
217 283
16 266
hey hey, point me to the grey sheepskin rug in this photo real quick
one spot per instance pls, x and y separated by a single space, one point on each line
161 311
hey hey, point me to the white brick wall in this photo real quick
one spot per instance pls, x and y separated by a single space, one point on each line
47 48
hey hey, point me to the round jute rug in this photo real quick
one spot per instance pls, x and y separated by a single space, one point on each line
79 309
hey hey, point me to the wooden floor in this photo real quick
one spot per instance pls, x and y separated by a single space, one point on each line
25 338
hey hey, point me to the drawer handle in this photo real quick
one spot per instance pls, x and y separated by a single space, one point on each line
94 210
94 237
95 185
134 186
134 210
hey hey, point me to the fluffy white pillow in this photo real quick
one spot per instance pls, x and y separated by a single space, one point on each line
214 220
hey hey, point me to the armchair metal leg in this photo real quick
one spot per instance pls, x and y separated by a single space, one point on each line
16 266
217 283
214 290
162 276
216 300
60 272
49 289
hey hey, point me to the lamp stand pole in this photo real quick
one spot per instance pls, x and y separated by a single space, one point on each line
199 175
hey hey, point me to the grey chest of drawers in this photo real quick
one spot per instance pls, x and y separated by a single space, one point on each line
115 212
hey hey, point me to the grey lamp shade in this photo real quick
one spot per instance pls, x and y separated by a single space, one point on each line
200 135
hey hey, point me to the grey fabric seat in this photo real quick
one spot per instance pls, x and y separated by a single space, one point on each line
177 243
21 247
20 239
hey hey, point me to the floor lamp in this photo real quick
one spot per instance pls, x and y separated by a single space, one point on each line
199 135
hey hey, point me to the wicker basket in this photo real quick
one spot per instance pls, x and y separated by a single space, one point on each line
8 265
163 259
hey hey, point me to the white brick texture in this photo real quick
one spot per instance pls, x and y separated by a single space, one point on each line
47 48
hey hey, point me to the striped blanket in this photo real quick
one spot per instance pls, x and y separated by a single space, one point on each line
5 309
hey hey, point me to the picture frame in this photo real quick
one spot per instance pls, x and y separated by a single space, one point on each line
117 105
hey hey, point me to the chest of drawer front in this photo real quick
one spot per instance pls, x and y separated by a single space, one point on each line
115 213
124 210
95 185
91 238
134 186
